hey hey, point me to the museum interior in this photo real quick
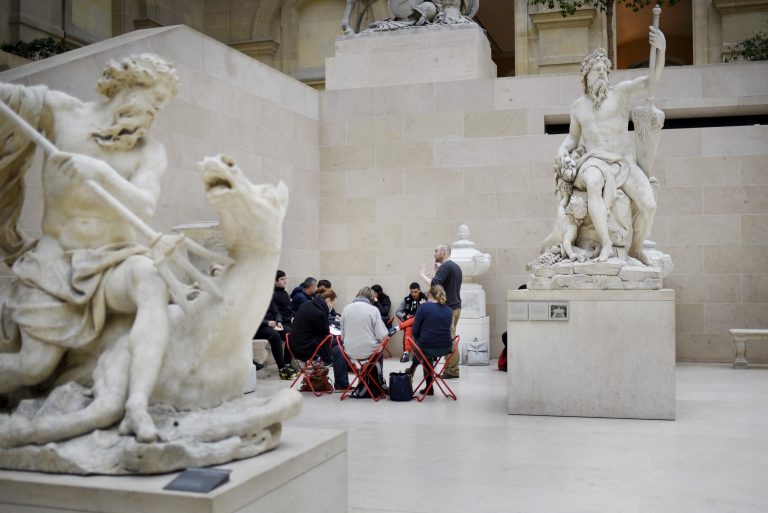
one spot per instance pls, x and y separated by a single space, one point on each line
607 212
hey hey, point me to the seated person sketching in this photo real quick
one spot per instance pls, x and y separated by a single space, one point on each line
303 293
432 333
270 329
361 326
310 327
382 302
406 312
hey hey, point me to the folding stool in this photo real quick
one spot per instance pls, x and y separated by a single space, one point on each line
304 365
436 371
362 369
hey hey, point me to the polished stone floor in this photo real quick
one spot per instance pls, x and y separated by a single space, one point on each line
469 456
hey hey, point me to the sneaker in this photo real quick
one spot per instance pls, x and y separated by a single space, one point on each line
339 390
287 373
258 365
405 358
450 376
392 331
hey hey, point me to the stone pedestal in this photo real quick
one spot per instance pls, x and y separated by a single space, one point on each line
472 301
286 480
601 353
470 329
410 56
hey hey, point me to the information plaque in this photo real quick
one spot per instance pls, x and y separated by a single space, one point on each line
199 480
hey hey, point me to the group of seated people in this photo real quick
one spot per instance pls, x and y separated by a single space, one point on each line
308 317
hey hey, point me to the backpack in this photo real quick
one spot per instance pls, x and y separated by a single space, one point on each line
375 382
400 386
503 360
475 353
318 376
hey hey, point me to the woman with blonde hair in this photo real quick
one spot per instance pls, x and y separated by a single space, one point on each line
432 332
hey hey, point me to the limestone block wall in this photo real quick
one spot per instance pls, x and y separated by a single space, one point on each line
228 103
402 166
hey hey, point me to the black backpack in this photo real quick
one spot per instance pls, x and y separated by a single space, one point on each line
375 382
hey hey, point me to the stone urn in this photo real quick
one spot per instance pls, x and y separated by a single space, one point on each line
472 262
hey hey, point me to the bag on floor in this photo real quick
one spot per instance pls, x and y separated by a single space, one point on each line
400 386
476 353
318 377
503 360
375 382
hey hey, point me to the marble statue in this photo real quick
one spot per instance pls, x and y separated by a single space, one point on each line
97 330
415 13
606 196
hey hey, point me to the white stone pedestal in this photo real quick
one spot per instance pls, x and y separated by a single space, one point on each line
469 329
307 472
614 355
410 56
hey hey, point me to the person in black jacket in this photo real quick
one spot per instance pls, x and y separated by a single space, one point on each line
310 328
432 332
283 300
304 292
382 302
270 329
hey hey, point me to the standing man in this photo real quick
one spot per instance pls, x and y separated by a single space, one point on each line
448 274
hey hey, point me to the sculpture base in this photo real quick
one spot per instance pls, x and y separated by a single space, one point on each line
286 480
417 55
601 353
470 329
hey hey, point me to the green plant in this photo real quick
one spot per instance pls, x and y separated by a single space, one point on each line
568 8
36 49
754 48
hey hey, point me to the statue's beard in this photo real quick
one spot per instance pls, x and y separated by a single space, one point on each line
131 124
597 91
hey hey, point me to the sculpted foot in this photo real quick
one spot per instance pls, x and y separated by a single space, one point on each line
139 423
640 255
605 253
14 430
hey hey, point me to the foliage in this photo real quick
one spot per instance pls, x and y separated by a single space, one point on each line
36 49
754 48
568 7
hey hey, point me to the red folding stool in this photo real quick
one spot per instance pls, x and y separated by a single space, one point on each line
362 368
437 372
304 365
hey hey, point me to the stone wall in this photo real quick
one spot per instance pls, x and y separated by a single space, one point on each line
402 166
228 103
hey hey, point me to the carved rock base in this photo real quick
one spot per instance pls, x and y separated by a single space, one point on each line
235 430
615 274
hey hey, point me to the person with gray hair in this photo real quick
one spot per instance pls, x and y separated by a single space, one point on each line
303 292
361 326
449 275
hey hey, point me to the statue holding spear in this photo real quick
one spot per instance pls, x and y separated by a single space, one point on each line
100 182
598 154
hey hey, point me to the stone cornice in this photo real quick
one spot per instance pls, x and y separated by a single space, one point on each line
731 6
553 19
257 49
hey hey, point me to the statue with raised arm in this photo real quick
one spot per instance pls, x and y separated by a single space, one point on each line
95 327
608 166
606 197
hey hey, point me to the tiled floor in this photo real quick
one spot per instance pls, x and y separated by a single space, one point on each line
469 456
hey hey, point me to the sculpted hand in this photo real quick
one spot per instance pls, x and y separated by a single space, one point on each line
657 39
79 167
164 245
